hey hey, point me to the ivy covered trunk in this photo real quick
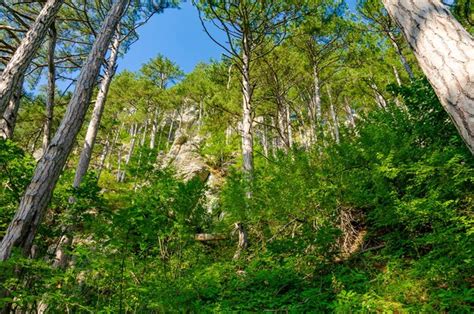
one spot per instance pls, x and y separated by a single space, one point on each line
445 52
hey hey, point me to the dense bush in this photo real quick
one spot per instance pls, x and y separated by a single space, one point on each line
381 222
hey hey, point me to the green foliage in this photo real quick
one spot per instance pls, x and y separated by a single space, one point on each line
381 222
16 169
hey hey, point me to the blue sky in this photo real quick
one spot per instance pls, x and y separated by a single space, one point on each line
178 35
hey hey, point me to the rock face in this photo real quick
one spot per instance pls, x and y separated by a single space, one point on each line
185 157
184 152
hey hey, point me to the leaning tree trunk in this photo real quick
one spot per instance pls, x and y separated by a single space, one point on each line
8 121
379 99
61 257
397 76
22 229
247 137
93 128
445 52
23 55
51 88
400 54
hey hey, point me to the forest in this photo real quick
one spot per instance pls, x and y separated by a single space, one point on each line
323 164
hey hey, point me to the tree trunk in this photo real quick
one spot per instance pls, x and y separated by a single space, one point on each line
247 136
23 55
154 129
93 128
289 131
51 88
282 125
445 52
103 156
350 114
108 165
316 114
399 52
8 121
119 164
397 76
379 99
133 134
22 229
333 117
265 140
243 242
144 133
171 129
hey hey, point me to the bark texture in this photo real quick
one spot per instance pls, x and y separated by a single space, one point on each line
51 88
400 54
8 121
93 128
22 229
23 55
315 107
333 118
350 114
243 241
247 136
445 52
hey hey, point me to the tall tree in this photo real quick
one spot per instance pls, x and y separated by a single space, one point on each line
445 52
22 229
376 15
248 25
51 87
23 55
160 71
94 123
